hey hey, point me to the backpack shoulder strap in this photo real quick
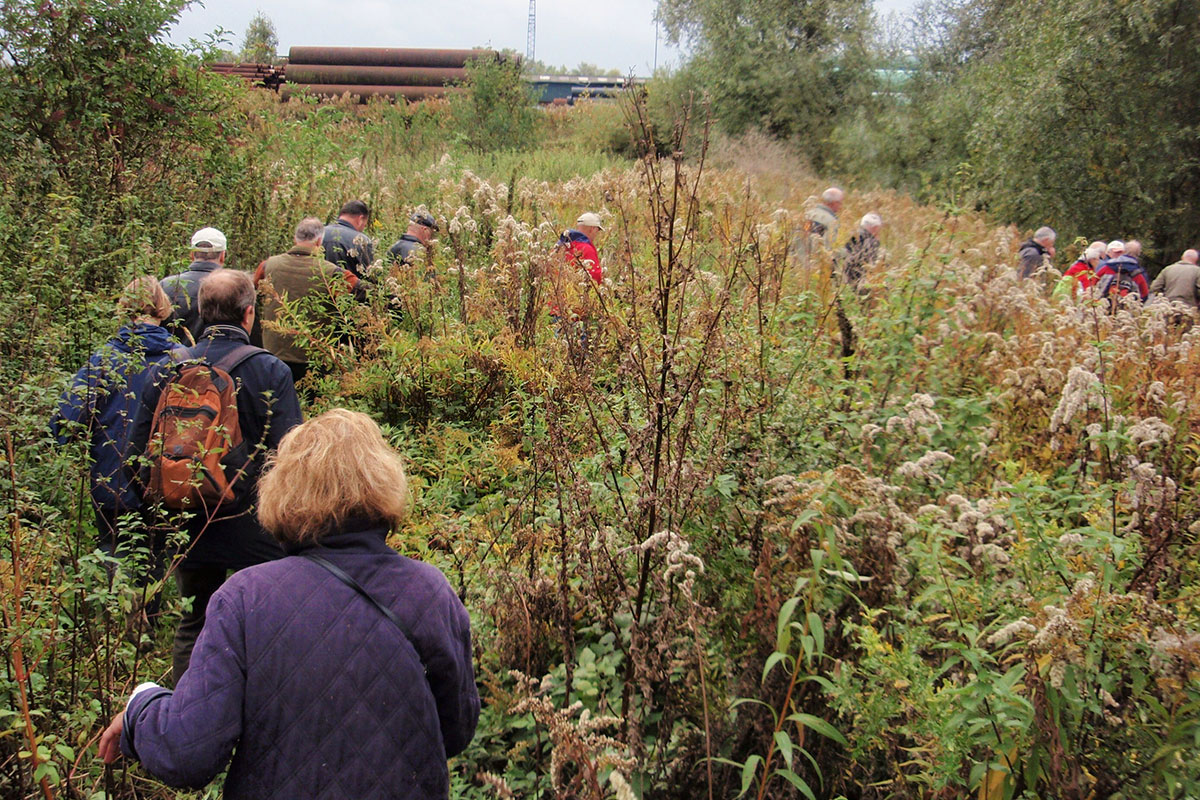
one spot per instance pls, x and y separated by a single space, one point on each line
237 356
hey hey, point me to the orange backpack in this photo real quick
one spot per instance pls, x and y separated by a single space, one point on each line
196 449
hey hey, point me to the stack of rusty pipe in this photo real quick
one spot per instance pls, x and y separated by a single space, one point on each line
257 74
365 72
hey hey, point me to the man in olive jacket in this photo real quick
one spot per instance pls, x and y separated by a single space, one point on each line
299 273
1180 281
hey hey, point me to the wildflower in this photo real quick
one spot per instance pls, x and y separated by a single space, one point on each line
1150 431
1081 392
1059 628
923 466
1058 671
1015 628
621 786
992 552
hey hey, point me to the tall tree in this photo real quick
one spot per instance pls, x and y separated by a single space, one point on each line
1061 112
1091 119
261 44
786 66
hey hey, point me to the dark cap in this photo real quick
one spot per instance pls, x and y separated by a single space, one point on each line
422 218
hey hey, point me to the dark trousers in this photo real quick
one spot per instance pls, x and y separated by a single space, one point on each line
199 583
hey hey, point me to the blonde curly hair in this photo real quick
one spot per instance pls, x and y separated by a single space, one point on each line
330 469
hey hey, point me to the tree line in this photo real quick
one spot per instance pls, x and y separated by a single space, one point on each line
1067 113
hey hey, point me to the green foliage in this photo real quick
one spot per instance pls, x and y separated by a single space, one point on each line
705 554
1087 129
497 110
260 45
93 93
536 67
788 68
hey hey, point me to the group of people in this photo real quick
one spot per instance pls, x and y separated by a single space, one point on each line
200 460
851 262
1110 271
1105 270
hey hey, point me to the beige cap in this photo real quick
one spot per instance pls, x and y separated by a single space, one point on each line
209 239
589 218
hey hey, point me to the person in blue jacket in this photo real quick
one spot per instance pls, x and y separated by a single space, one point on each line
342 671
99 407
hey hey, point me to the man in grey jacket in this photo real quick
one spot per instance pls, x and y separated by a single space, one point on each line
1036 250
1180 281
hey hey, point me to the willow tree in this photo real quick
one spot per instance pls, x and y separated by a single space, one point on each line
788 67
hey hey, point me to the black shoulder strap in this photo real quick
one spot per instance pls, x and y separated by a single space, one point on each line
341 575
237 356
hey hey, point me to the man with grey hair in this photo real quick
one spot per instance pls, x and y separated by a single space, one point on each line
1034 252
208 256
821 223
290 278
227 537
1180 282
861 252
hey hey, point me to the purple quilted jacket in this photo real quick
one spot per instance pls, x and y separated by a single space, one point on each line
318 692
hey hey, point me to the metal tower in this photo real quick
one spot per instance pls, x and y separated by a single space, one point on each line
531 35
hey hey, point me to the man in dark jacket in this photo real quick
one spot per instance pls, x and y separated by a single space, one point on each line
861 252
293 276
267 408
208 256
345 243
421 228
1036 250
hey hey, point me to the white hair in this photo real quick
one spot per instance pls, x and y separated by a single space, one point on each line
832 195
1045 232
1095 250
871 221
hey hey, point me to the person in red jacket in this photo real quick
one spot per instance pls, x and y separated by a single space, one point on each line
579 245
1084 269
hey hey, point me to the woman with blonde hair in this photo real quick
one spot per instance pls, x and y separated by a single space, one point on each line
341 671
99 407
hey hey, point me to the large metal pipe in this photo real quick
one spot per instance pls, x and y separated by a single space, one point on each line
385 56
362 92
373 76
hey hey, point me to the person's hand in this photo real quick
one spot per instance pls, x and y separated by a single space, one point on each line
110 740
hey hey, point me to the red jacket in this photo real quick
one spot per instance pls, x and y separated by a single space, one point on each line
582 253
1082 271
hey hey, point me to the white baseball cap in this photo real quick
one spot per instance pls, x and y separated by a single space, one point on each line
589 218
209 239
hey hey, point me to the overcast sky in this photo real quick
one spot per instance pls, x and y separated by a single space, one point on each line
616 34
